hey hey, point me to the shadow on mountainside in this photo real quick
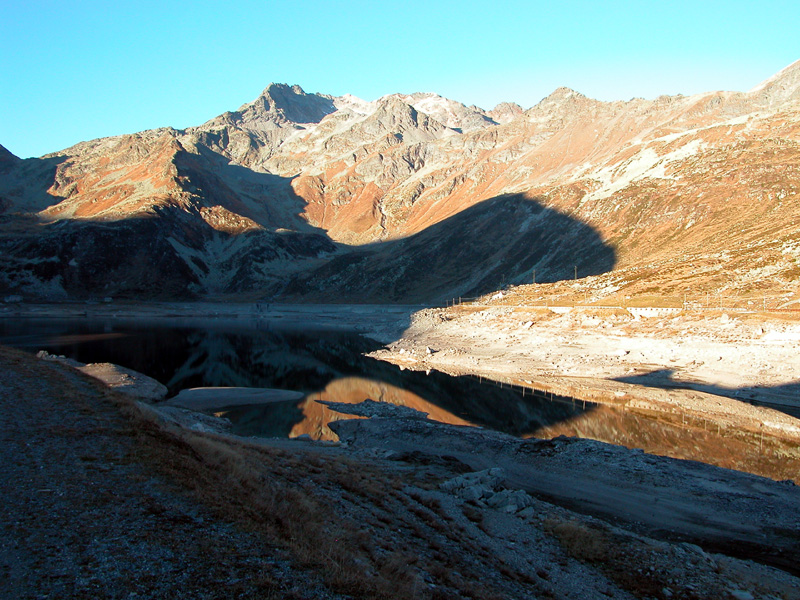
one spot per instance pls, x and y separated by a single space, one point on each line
266 199
238 232
495 242
170 250
25 185
783 398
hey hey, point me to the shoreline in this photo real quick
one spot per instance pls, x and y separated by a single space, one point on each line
560 518
673 367
642 500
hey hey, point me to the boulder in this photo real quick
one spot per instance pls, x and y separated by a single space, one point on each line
489 479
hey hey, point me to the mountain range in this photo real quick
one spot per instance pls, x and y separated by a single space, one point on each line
417 198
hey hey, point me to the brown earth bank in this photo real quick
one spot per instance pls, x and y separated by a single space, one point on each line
107 499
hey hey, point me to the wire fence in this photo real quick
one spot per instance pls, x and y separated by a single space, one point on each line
642 304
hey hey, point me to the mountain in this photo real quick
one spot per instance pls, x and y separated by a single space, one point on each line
417 198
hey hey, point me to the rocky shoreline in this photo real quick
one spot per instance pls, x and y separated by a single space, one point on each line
676 502
678 529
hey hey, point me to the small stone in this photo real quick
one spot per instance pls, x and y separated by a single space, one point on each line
474 492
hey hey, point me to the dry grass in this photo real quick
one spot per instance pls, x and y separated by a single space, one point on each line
580 541
271 492
633 565
341 519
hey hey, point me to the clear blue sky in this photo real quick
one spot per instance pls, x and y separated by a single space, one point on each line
75 70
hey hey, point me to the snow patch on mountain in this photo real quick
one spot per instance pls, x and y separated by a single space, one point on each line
354 104
647 163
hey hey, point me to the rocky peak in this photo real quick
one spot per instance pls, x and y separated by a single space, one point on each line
394 110
782 88
397 116
353 104
277 106
561 95
563 102
7 159
294 104
505 112
448 112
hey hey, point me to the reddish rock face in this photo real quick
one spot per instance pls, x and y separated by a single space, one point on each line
418 198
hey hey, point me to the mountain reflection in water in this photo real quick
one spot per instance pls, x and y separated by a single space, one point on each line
330 365
309 417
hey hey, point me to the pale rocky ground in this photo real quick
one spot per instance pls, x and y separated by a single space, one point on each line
703 361
736 352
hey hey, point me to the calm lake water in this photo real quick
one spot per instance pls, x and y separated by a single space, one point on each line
327 364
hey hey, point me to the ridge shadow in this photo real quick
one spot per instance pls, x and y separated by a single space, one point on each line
495 242
241 232
781 395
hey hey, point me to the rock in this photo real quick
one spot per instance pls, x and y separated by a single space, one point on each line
120 379
371 408
741 595
126 381
499 500
189 419
45 355
214 398
13 299
506 499
474 493
483 481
